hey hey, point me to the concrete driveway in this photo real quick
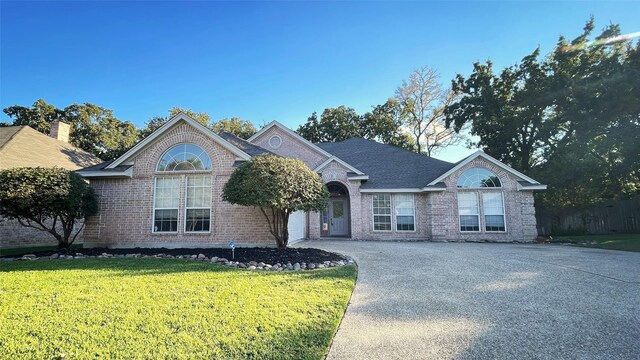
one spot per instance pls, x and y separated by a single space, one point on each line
488 301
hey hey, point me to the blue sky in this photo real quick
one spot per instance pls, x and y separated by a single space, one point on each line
265 61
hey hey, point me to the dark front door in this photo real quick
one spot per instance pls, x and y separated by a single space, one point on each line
338 217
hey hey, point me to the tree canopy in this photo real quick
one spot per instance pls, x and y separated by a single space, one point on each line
278 186
155 122
413 119
93 128
382 124
47 199
243 129
570 119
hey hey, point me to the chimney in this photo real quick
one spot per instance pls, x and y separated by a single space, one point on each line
60 131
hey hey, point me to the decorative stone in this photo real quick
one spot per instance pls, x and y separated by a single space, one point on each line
251 267
54 256
214 259
296 266
201 257
312 266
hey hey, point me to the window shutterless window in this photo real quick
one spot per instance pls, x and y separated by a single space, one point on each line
493 207
478 178
166 204
468 211
405 212
382 212
184 157
198 204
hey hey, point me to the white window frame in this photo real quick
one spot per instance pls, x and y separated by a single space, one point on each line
395 211
373 214
478 215
183 171
154 208
481 187
504 213
186 208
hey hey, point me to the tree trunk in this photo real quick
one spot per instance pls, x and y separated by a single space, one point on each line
278 225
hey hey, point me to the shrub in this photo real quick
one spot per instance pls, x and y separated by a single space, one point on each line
278 186
47 199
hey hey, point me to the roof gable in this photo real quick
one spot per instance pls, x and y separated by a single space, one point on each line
490 159
291 133
339 161
180 117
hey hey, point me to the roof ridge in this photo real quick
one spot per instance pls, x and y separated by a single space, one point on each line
21 127
394 147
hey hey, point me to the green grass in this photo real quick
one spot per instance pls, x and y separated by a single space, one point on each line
32 249
626 242
160 308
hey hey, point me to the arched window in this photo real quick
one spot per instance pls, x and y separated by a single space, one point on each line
184 157
478 178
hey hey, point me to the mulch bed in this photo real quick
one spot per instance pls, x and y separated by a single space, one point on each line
266 255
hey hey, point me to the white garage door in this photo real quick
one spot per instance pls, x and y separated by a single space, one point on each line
297 224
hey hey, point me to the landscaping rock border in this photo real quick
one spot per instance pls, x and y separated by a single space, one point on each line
250 265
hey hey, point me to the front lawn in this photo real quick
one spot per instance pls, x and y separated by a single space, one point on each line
627 242
161 308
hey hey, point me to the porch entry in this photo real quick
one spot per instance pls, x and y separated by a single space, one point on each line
335 220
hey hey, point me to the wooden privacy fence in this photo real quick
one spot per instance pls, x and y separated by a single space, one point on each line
622 216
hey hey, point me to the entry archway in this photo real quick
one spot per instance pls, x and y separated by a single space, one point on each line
336 219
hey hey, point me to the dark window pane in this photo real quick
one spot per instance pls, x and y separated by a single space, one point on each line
469 223
198 220
166 221
405 223
494 223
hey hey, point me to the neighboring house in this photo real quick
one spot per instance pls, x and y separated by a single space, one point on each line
166 191
22 146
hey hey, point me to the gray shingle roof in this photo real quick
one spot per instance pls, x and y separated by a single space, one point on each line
388 167
244 145
102 167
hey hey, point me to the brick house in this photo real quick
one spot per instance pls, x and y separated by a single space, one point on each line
166 191
22 146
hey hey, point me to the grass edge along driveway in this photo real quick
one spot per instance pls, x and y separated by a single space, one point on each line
160 308
624 242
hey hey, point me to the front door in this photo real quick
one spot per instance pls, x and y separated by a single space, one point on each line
338 215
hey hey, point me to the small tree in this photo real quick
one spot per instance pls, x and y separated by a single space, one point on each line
423 100
47 199
278 186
